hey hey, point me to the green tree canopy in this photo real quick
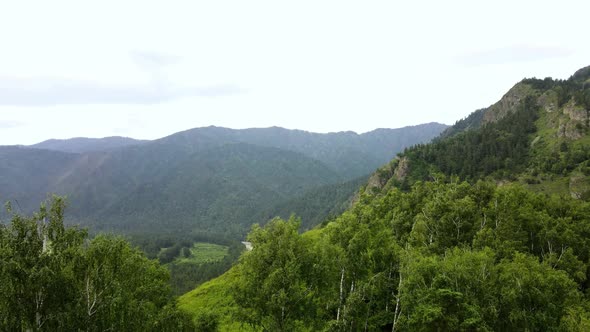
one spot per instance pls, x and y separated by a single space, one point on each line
54 278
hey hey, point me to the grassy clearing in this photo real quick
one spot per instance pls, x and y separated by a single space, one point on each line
202 252
214 299
556 186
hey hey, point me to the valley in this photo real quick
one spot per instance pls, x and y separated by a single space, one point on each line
189 180
484 225
295 166
485 228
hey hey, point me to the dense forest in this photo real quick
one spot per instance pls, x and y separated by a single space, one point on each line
444 256
56 279
537 135
485 229
209 179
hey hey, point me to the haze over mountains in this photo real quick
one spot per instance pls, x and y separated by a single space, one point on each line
209 179
84 144
485 228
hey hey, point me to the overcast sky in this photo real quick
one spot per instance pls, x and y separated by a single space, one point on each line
148 69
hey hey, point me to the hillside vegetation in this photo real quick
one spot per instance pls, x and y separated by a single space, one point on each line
536 135
211 179
53 278
485 229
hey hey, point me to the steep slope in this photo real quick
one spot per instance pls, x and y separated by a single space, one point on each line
316 205
218 190
537 134
212 179
350 154
421 250
27 175
84 144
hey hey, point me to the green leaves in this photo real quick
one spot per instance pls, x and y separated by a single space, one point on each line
276 281
445 256
52 278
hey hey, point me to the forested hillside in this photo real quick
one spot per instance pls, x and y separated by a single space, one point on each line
538 135
485 229
218 190
211 179
348 153
53 278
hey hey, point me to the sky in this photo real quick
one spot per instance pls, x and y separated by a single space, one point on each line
147 69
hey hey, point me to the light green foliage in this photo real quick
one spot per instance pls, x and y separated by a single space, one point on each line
276 280
213 300
52 278
452 244
37 274
202 252
114 275
446 255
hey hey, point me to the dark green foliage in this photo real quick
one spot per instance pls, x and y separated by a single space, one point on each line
53 278
499 148
187 276
316 205
582 97
471 122
217 190
541 84
206 322
524 143
168 254
581 75
26 175
213 180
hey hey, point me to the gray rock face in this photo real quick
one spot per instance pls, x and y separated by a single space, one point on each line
402 169
574 123
508 104
548 101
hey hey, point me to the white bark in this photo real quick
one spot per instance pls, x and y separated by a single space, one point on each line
341 295
397 313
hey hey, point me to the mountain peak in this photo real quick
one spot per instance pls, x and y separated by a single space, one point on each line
582 75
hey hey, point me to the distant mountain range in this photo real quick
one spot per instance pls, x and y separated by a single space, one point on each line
209 179
84 144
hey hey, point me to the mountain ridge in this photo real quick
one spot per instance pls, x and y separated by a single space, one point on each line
474 231
86 144
119 188
550 144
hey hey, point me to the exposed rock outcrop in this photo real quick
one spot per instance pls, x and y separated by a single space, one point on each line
381 178
548 101
402 169
574 123
509 103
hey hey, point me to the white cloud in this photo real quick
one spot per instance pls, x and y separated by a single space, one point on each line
51 91
514 54
8 124
314 65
